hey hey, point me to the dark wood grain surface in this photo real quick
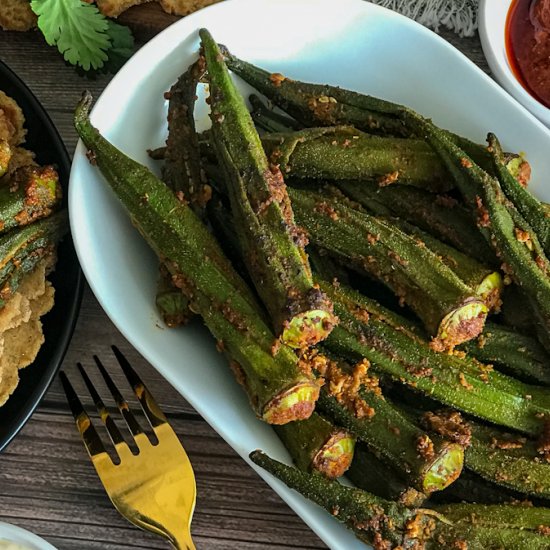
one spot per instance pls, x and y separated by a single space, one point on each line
47 484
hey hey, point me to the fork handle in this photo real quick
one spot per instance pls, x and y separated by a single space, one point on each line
182 540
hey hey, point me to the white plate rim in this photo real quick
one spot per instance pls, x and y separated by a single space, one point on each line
13 533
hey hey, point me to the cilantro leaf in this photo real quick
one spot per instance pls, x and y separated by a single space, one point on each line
81 33
122 46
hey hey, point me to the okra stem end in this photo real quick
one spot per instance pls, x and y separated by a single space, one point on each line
444 470
460 325
294 403
309 328
82 110
335 456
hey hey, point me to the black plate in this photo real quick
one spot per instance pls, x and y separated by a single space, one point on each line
43 139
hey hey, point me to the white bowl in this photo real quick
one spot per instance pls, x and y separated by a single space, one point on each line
350 43
21 536
492 22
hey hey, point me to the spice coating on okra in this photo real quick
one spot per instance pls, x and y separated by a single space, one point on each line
272 245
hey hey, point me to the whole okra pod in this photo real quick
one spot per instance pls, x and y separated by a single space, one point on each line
345 153
506 459
500 223
182 172
486 282
450 310
440 215
316 444
281 388
369 516
389 524
273 247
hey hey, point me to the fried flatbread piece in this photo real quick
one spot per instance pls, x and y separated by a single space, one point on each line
16 311
20 158
113 8
16 15
42 304
184 7
12 121
21 345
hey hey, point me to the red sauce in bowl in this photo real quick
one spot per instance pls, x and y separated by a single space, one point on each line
528 46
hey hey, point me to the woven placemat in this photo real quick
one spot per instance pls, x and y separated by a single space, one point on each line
459 16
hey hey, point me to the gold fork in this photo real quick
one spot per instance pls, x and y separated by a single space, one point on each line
153 488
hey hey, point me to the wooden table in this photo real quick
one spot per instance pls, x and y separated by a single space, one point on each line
47 484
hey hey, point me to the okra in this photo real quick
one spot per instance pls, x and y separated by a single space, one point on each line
503 227
388 524
502 527
440 215
315 444
533 210
519 355
21 249
326 105
450 310
313 104
171 303
508 460
460 382
267 119
271 243
370 473
183 173
279 385
485 282
182 170
345 153
428 465
370 517
32 193
507 516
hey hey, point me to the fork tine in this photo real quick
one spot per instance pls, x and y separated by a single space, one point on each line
152 411
122 404
112 429
91 438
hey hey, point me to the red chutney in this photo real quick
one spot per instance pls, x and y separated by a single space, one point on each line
528 46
